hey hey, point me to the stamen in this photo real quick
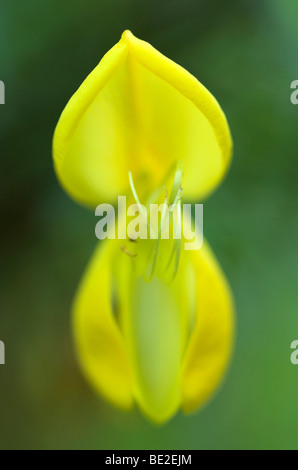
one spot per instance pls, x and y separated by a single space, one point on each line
125 250
135 195
177 242
177 182
169 203
159 236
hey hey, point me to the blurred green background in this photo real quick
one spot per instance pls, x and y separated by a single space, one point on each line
245 52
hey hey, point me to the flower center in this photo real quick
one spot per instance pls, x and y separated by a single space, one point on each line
160 216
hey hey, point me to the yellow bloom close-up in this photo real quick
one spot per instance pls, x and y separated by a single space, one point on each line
153 323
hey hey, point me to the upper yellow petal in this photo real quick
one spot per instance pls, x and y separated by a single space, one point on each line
139 111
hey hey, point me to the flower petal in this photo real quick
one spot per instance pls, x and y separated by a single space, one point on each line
139 111
156 322
211 342
100 347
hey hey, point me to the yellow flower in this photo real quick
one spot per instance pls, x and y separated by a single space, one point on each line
164 345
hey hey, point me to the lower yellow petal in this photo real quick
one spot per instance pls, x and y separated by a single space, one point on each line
100 346
156 324
210 345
